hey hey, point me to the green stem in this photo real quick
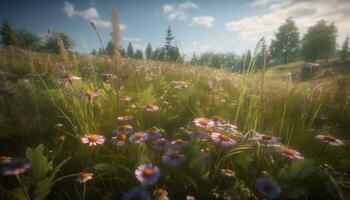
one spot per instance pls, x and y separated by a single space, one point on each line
321 152
23 187
84 190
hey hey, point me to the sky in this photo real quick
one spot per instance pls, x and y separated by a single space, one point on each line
198 25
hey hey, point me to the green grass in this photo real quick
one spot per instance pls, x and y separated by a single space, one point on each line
274 103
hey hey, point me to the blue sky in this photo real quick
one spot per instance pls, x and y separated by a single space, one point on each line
198 25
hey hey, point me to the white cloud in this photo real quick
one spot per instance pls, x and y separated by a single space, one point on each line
178 11
207 21
305 13
90 14
132 39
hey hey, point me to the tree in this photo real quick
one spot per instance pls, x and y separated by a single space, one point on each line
130 51
149 51
194 59
345 49
52 46
320 41
93 52
27 40
261 55
159 54
286 42
168 40
122 52
138 54
110 49
8 36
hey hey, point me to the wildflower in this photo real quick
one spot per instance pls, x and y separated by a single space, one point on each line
7 90
222 139
5 159
84 177
88 93
108 75
227 172
136 193
173 158
119 140
138 137
217 119
267 138
160 194
15 166
58 125
268 187
227 127
188 197
180 84
330 140
70 77
154 132
161 144
125 98
126 128
93 139
179 143
203 122
197 133
205 152
289 153
147 174
151 107
126 118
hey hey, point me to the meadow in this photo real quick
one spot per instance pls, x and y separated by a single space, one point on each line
82 128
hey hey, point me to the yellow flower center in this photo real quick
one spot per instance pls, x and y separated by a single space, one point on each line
179 141
266 137
138 135
3 158
329 138
224 137
216 117
148 172
121 137
93 138
206 149
203 122
289 152
161 142
159 192
85 174
174 156
68 75
89 93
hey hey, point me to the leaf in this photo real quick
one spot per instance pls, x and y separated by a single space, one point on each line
296 171
104 168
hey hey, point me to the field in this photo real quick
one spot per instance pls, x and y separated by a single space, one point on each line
252 135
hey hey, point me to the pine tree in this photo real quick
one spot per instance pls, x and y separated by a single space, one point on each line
286 42
168 40
93 52
8 37
345 49
194 59
149 51
130 51
138 54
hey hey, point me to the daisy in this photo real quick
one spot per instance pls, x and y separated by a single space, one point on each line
179 143
330 140
161 144
173 158
227 172
203 122
222 139
119 140
289 153
268 187
138 137
147 174
70 77
108 75
125 98
266 138
136 193
205 152
154 133
126 128
89 93
126 118
5 159
188 197
160 194
180 84
15 166
93 139
84 177
217 120
151 107
227 127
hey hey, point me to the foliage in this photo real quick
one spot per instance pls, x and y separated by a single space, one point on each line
8 36
345 49
149 51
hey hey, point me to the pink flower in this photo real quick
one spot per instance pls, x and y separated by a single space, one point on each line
203 122
330 140
151 107
222 139
289 153
93 139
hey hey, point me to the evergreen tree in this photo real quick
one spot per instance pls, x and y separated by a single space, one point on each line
52 46
122 52
286 42
320 41
138 54
27 40
168 40
345 49
159 54
93 52
8 37
194 59
149 51
110 49
130 51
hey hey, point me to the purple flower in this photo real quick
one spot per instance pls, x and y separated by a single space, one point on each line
16 166
126 128
222 139
330 140
266 138
160 194
119 140
89 93
289 153
268 187
136 193
179 143
126 118
161 144
147 174
138 137
173 158
203 122
154 133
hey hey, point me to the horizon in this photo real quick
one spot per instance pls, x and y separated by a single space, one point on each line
198 26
